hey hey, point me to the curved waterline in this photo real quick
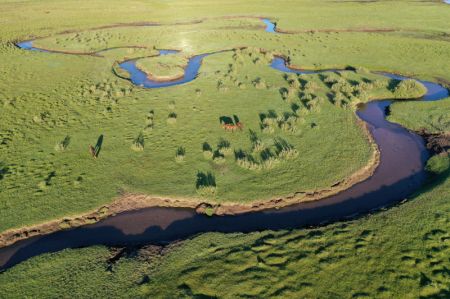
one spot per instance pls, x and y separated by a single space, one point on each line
400 173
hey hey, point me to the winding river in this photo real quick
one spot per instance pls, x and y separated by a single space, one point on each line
400 173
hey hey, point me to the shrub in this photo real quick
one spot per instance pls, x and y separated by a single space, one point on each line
138 143
438 164
62 145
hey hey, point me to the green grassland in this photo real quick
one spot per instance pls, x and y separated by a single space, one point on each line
54 96
153 142
432 116
402 252
399 253
44 181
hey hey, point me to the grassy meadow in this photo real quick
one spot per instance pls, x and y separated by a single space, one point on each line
398 253
430 115
60 104
300 133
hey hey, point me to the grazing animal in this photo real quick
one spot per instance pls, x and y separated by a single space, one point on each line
92 151
233 127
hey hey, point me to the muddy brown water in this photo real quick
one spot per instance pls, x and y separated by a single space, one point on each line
400 173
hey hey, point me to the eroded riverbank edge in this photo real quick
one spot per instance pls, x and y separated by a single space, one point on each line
127 202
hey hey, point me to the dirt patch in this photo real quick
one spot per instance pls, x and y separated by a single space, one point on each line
436 143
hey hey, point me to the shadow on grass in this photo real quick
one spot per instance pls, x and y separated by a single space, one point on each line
98 145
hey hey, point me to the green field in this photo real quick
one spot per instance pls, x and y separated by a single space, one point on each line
82 99
432 116
300 133
402 252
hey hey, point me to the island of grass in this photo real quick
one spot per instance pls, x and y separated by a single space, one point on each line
164 67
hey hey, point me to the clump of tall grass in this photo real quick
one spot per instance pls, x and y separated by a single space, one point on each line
259 83
149 120
342 86
172 118
218 157
310 86
257 144
206 184
180 153
207 151
379 83
221 86
270 121
284 150
63 144
408 87
224 147
138 143
246 161
171 105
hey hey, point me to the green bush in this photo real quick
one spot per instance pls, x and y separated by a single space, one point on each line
438 164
